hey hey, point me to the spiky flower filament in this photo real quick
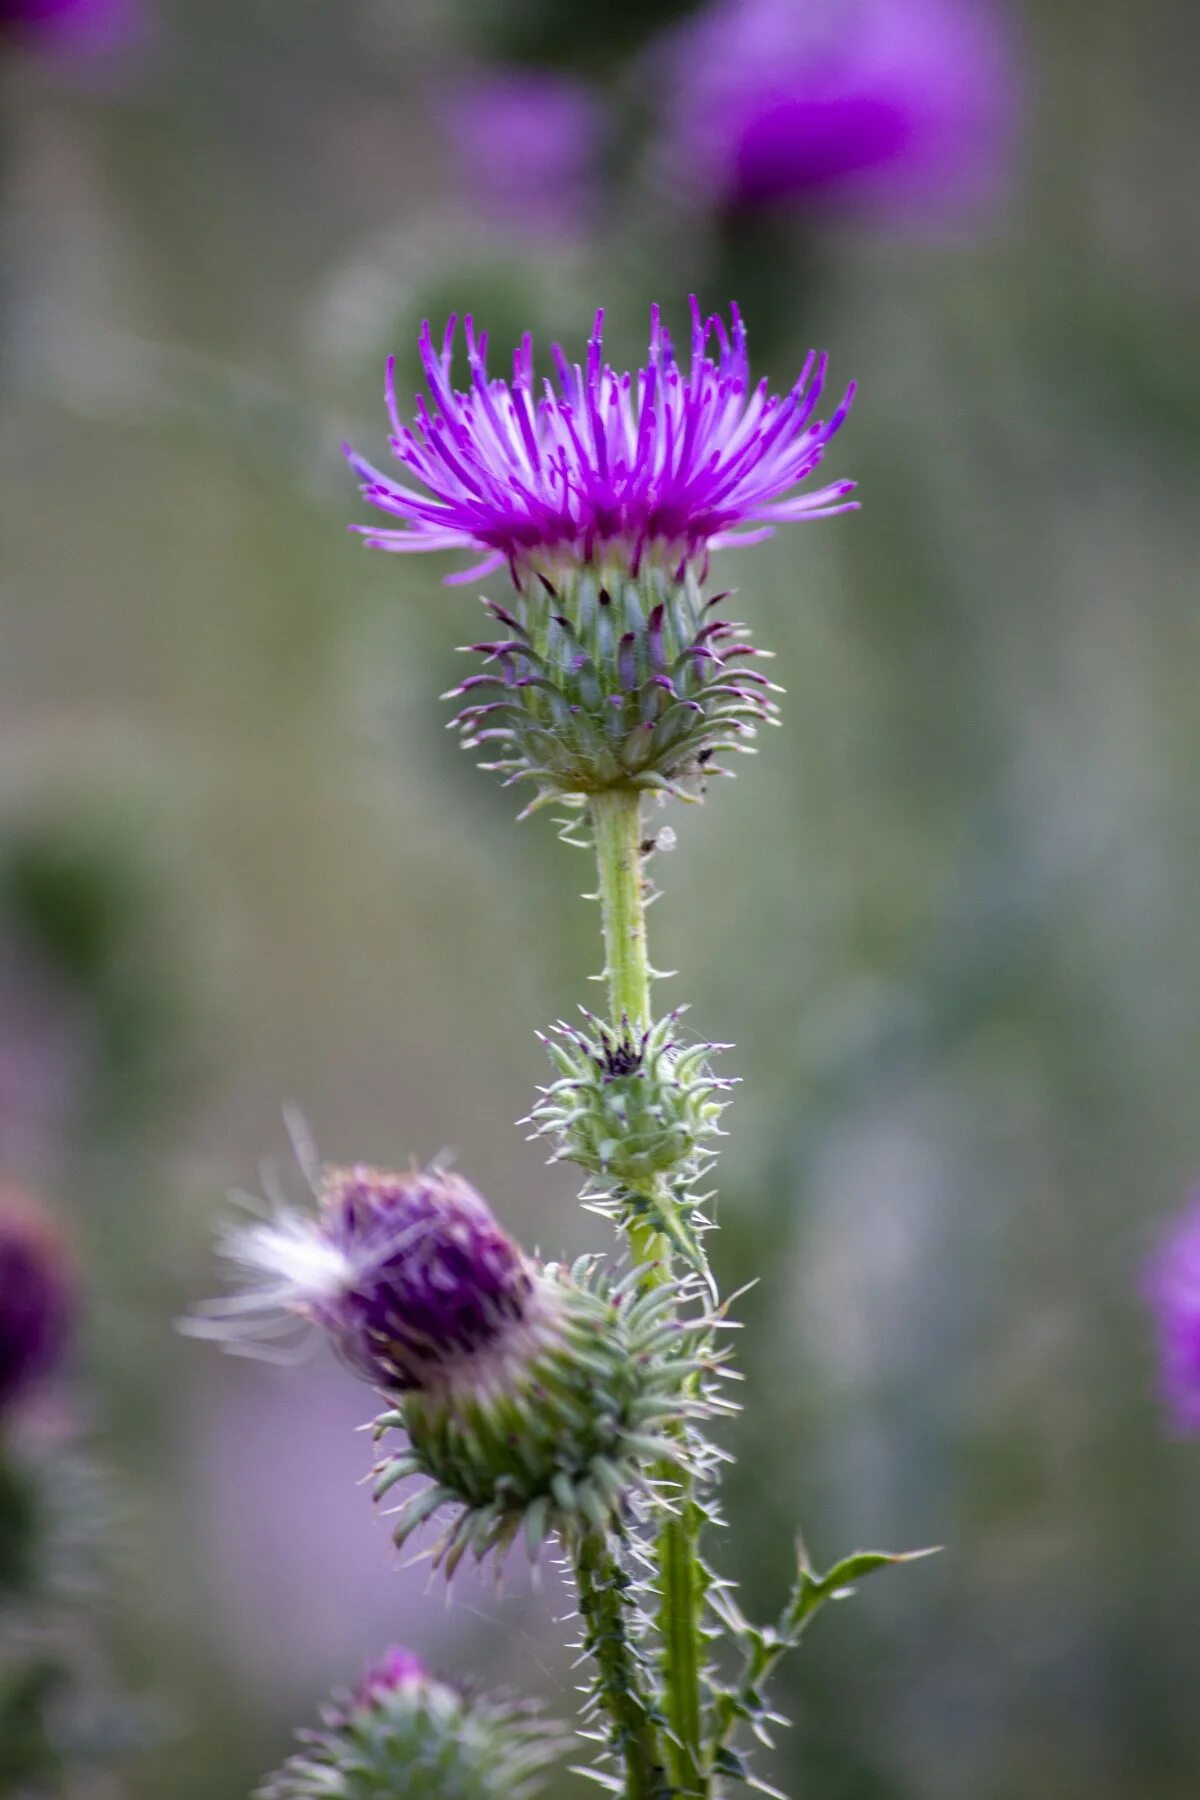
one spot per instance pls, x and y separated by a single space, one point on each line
600 468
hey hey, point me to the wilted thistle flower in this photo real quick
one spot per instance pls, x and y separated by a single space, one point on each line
405 1732
604 495
533 1397
37 1297
903 110
1172 1286
405 1273
76 30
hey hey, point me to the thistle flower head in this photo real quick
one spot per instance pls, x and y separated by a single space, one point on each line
405 1731
408 1275
1172 1286
602 468
532 1397
37 1299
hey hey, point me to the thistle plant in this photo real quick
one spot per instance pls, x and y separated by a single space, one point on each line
529 1401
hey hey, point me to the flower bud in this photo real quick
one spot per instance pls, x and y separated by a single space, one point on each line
630 1104
36 1297
554 1429
406 1732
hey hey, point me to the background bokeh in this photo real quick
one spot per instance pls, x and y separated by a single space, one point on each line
948 917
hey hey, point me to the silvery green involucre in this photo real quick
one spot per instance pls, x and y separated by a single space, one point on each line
524 1401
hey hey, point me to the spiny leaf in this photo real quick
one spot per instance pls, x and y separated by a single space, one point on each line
811 1591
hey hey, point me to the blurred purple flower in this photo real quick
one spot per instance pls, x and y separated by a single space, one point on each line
526 146
904 110
74 29
1171 1284
36 1297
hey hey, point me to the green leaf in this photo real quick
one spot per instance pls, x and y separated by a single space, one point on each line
811 1591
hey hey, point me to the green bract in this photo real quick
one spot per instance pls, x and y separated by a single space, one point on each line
630 1104
628 682
423 1740
557 1429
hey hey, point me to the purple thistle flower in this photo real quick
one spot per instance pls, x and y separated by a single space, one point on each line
409 1275
527 144
900 109
37 1298
396 1669
602 468
1171 1284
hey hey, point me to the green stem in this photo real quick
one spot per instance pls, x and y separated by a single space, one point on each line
616 825
681 1581
745 1700
617 829
603 1588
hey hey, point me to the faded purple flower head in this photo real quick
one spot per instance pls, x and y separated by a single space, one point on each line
526 145
1171 1284
37 1297
904 110
76 29
408 1275
600 466
396 1669
434 1276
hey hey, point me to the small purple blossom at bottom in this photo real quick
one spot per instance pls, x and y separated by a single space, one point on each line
526 146
405 1732
37 1297
902 110
396 1668
407 1274
1171 1285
